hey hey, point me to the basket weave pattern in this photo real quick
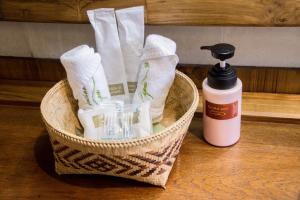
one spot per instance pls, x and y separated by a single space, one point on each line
147 159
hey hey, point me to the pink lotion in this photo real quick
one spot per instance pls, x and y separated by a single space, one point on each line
222 92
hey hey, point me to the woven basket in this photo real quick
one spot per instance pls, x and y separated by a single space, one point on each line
148 159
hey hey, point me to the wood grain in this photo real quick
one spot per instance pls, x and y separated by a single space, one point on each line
184 12
72 11
31 69
255 79
226 12
23 92
255 107
267 107
265 164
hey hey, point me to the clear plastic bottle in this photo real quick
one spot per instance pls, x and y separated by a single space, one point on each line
222 92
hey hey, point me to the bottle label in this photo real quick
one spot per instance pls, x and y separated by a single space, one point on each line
221 111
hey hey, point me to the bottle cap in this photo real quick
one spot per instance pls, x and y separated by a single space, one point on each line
222 76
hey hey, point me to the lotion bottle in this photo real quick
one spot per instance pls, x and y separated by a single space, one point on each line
222 92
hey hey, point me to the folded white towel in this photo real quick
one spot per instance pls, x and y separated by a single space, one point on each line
131 33
108 45
85 75
157 74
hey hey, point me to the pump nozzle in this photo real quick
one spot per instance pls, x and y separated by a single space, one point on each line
221 51
206 47
222 75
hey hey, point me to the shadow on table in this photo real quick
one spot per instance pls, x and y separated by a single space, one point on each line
196 127
44 157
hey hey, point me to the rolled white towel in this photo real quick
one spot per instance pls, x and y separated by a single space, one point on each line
86 76
157 74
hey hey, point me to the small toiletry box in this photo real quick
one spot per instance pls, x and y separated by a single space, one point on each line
148 159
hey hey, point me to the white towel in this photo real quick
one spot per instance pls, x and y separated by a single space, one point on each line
157 74
85 75
108 45
131 33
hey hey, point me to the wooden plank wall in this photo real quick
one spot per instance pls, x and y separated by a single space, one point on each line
255 79
225 12
183 12
71 11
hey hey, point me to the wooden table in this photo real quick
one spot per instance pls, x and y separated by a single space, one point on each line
265 164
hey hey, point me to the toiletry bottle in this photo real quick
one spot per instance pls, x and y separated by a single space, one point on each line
222 92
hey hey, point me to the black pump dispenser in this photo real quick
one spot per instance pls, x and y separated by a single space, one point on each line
222 76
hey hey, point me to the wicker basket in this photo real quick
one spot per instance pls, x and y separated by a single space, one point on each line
147 159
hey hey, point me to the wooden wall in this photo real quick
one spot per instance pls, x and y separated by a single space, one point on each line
255 79
158 12
180 12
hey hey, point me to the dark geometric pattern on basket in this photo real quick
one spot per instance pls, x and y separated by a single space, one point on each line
143 165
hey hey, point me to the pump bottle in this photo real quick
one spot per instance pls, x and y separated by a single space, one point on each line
222 92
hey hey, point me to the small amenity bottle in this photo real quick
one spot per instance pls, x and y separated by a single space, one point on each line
222 92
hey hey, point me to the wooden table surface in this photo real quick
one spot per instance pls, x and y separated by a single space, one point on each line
265 164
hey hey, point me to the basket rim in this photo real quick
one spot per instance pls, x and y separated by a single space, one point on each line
122 143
